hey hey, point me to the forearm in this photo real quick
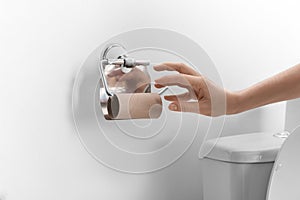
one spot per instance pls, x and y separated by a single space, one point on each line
281 87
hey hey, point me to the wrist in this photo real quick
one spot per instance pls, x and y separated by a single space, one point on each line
234 103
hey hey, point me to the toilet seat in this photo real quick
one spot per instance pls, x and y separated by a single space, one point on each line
285 177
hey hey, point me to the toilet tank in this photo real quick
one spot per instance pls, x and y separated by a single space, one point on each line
239 167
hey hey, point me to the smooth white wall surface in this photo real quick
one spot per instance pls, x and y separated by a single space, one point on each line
292 119
43 44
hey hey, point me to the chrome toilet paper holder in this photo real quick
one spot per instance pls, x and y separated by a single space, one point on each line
115 71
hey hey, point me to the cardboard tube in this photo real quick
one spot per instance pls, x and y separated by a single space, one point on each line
135 106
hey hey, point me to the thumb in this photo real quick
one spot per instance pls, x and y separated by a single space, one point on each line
183 106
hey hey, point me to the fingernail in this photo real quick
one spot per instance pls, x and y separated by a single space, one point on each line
173 106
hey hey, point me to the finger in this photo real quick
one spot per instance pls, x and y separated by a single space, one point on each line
183 106
181 97
181 80
179 67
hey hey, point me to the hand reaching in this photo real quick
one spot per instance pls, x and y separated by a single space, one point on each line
202 96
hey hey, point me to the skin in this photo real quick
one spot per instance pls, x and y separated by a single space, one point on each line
205 97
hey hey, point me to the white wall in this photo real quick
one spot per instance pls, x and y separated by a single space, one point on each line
292 118
42 45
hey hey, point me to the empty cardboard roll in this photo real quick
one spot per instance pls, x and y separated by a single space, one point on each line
134 106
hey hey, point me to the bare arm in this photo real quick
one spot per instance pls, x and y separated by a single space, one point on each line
281 87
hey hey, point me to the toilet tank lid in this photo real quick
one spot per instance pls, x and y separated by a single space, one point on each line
246 148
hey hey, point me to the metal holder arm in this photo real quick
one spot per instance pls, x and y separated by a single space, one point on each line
115 55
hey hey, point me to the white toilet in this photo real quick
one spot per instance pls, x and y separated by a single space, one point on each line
239 167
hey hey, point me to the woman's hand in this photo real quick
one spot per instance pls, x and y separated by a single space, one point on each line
209 99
